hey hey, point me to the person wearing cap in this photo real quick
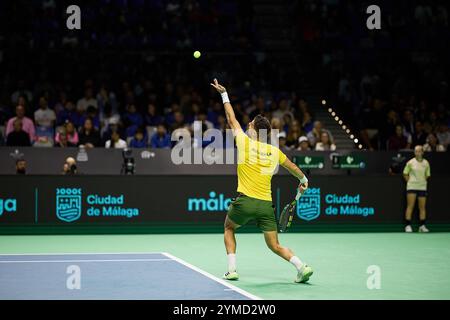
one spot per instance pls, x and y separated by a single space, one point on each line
303 144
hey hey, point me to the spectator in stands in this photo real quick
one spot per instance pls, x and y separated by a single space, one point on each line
398 140
63 141
161 139
115 141
21 166
178 121
443 135
91 113
152 118
315 134
132 120
303 144
89 135
18 137
282 142
107 117
27 123
68 113
44 117
87 100
139 140
433 144
419 136
294 134
71 135
408 121
325 143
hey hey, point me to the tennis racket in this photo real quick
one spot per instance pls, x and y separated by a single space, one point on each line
287 215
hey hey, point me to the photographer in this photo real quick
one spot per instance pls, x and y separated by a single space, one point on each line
70 167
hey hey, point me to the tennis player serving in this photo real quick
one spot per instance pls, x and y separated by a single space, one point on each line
257 163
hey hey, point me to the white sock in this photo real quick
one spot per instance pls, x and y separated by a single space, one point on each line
231 262
298 264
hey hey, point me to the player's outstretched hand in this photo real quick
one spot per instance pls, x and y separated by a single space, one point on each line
218 87
302 187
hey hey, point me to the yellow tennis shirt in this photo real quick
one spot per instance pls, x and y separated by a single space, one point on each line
257 163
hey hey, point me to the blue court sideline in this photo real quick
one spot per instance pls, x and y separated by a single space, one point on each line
109 276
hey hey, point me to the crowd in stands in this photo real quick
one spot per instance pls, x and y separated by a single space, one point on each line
101 119
390 85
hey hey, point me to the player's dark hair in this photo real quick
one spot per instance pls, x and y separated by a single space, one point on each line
261 123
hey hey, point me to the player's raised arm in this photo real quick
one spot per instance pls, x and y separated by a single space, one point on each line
296 172
229 112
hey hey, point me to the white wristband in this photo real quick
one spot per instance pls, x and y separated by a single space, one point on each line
303 180
225 97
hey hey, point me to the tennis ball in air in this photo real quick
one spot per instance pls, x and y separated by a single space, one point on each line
197 54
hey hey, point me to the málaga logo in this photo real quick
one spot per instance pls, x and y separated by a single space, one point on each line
68 204
214 203
8 205
308 206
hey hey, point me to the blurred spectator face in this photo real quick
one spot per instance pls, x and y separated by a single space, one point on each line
282 142
408 116
151 109
63 139
131 108
22 101
20 111
17 125
139 135
432 140
161 130
260 104
307 117
304 145
324 138
43 103
21 167
392 116
88 125
115 136
399 131
70 129
419 126
195 108
178 117
70 106
276 123
418 152
88 93
318 126
283 104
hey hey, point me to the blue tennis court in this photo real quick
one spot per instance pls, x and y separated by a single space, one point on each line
109 276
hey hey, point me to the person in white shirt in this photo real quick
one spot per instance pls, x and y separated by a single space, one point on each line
325 143
416 174
87 100
44 116
115 142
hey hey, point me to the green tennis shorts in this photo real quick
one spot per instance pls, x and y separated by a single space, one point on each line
244 209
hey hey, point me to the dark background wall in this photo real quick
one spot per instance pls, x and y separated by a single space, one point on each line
57 204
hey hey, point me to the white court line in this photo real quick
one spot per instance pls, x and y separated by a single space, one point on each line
72 253
90 260
210 276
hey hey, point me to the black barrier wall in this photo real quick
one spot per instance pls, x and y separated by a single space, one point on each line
155 162
54 204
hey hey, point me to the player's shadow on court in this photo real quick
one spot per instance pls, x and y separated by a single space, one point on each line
281 284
